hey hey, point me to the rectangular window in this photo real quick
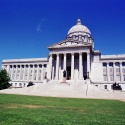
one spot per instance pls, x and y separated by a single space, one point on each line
105 86
111 78
123 70
105 78
39 77
118 78
111 70
104 72
35 78
117 70
124 78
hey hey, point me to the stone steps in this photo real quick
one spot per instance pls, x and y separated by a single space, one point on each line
78 89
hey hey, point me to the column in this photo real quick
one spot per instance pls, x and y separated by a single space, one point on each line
64 63
50 66
16 72
8 68
114 69
24 72
28 76
20 72
121 73
12 72
72 65
53 73
42 72
57 67
37 78
108 75
80 66
33 72
88 63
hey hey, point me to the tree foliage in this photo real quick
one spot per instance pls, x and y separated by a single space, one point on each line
4 79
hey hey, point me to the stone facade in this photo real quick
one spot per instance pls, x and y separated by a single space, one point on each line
76 55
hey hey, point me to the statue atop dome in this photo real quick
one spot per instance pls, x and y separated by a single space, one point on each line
79 22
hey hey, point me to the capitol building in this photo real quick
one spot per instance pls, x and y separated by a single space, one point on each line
77 56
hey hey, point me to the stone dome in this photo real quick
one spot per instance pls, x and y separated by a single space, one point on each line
79 29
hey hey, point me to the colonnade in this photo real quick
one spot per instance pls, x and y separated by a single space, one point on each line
27 72
116 71
65 64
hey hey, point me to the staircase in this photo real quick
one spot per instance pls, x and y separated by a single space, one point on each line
72 88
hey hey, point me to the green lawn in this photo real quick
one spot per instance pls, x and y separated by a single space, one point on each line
34 110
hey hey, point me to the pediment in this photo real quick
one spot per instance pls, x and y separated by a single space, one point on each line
68 43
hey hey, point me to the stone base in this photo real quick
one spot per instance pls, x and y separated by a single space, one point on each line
64 80
45 81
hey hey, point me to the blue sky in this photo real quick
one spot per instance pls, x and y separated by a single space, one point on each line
28 27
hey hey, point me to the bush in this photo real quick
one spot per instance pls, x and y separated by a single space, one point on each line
4 79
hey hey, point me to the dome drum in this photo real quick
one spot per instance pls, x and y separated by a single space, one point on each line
84 39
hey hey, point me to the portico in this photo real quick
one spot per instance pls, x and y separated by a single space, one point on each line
75 64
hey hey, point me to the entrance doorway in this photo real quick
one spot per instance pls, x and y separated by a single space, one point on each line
85 77
68 72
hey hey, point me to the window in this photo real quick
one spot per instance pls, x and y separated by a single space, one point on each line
111 78
104 64
35 78
117 63
45 65
104 69
39 77
123 64
105 78
105 86
118 78
111 70
123 70
117 70
111 64
124 78
83 37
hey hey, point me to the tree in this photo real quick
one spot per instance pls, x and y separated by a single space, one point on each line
4 79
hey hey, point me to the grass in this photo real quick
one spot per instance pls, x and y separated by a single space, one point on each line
33 110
